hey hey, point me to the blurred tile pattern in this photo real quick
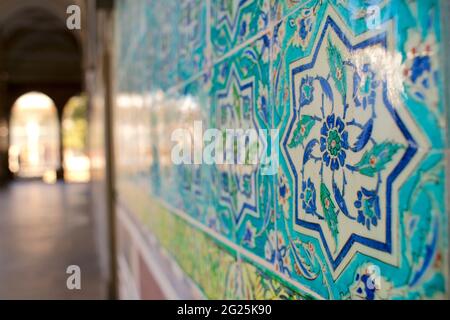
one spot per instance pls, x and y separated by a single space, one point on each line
235 21
356 209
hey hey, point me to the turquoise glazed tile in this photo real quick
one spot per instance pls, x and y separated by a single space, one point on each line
164 42
193 45
357 206
235 21
416 52
422 67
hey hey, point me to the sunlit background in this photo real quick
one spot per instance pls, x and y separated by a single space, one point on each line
34 150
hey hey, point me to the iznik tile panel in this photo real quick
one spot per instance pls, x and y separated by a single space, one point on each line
357 205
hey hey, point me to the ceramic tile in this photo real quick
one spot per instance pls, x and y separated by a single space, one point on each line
350 143
240 100
235 21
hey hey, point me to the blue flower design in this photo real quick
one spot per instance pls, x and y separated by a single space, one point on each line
420 70
211 222
263 103
364 87
246 187
249 235
283 190
368 206
243 29
308 197
365 290
306 91
224 70
304 27
422 75
334 142
304 24
276 252
225 181
420 65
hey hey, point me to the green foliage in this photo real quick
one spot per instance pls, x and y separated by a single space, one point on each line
338 72
329 209
375 160
75 126
302 130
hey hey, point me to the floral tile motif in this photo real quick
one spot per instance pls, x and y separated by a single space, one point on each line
235 21
425 241
351 146
337 131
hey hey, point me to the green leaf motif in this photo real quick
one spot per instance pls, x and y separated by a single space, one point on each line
329 211
247 186
338 72
237 102
302 130
230 8
375 160
233 192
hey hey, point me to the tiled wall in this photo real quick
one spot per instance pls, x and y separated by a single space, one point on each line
357 207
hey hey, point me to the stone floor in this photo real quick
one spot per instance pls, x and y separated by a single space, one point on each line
43 230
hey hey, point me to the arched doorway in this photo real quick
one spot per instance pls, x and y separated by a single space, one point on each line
37 53
75 129
34 137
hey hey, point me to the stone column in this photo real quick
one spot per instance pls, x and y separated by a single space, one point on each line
4 121
60 171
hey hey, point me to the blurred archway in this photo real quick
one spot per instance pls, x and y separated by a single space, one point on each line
34 137
38 53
